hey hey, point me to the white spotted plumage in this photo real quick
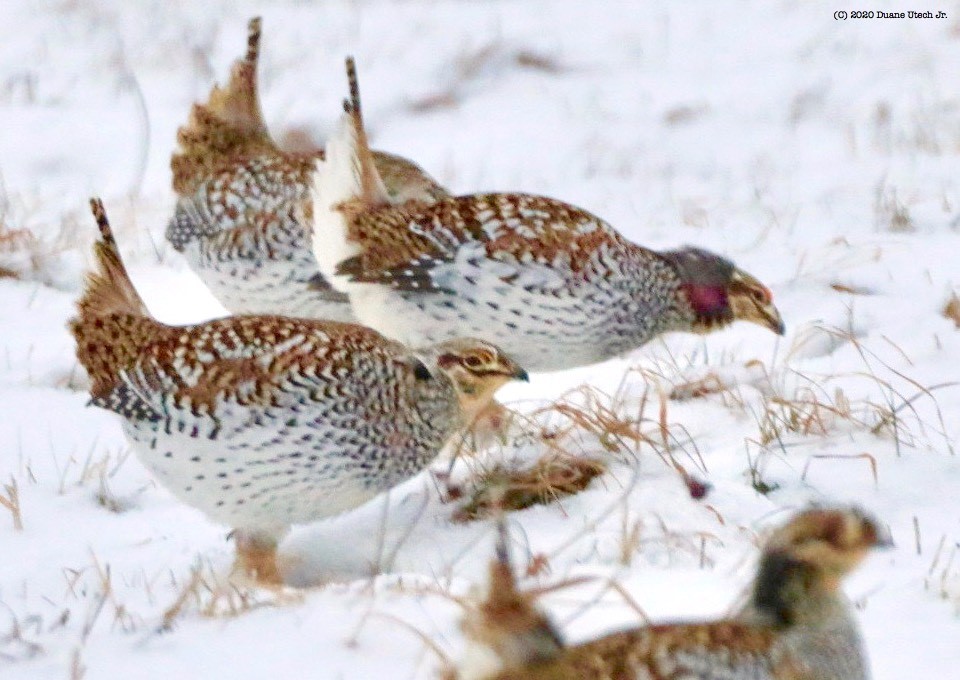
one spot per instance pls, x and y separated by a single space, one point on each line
265 421
239 219
554 285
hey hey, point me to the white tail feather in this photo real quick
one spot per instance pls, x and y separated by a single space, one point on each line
479 662
337 179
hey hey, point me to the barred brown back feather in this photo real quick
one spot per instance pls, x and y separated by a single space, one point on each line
115 333
799 574
553 230
738 647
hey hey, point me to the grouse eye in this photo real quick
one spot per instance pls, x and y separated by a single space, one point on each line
472 362
420 371
761 295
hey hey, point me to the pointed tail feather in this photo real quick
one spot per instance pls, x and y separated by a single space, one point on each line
502 581
345 183
253 41
229 122
109 289
373 193
239 104
507 630
112 324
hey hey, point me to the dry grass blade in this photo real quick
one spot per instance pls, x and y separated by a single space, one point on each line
12 503
685 114
608 584
440 100
474 64
537 61
588 410
836 456
851 288
190 591
14 645
891 416
122 616
696 389
891 214
592 411
12 240
581 431
445 660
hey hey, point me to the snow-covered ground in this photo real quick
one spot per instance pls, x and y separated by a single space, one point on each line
822 155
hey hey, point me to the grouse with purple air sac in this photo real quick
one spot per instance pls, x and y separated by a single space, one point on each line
552 284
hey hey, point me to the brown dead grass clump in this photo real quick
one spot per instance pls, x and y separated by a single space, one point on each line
699 388
951 310
581 434
13 242
209 594
551 478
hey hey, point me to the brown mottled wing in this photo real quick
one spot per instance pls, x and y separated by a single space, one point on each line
404 246
245 360
260 195
719 651
255 208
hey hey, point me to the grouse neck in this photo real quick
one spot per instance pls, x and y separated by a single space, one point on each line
789 593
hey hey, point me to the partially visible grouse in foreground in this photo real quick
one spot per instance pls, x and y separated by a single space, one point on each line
265 421
552 284
239 215
797 624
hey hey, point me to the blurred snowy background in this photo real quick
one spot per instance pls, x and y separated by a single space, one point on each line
822 155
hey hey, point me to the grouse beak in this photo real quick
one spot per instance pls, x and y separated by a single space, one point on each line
772 319
884 539
513 370
885 542
753 301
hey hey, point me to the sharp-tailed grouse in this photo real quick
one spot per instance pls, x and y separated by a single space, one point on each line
239 218
265 421
796 626
552 284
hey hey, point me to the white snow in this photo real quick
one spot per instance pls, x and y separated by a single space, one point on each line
823 156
